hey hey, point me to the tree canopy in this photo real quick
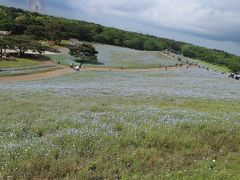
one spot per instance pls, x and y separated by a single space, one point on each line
85 53
22 43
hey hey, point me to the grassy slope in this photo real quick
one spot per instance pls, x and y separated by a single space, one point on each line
116 57
112 56
24 66
20 62
213 66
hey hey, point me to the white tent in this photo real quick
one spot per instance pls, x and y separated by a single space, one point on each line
5 33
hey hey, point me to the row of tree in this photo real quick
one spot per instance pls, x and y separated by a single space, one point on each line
43 27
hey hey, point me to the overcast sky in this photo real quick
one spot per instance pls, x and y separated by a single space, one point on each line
210 23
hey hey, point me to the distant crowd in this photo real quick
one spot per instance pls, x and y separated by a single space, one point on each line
190 63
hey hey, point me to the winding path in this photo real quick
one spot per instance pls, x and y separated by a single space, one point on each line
37 76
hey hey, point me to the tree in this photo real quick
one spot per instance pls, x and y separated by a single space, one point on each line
175 46
189 51
7 24
135 43
37 32
22 43
98 29
235 65
150 45
99 38
84 53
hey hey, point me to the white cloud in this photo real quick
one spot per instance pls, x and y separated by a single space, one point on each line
210 18
210 23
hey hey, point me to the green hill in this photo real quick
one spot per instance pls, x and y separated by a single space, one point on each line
112 56
116 57
44 27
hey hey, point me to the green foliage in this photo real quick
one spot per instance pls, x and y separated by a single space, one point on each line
152 44
135 43
3 43
6 22
37 32
7 25
189 51
84 53
234 65
22 43
212 56
43 27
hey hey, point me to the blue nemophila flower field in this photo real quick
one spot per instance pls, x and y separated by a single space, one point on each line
112 56
197 83
153 124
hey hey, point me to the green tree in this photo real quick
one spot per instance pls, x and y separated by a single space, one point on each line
235 65
84 53
99 38
7 24
135 43
22 43
150 45
98 29
37 32
189 51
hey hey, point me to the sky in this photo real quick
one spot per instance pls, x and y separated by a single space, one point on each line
209 23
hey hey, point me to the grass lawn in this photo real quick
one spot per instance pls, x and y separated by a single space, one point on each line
213 66
20 62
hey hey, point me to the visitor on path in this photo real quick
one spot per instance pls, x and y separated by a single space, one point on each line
77 68
237 77
231 75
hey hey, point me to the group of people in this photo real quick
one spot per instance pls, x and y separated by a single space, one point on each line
234 76
76 67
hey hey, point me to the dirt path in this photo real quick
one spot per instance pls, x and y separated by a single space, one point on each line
37 76
59 71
